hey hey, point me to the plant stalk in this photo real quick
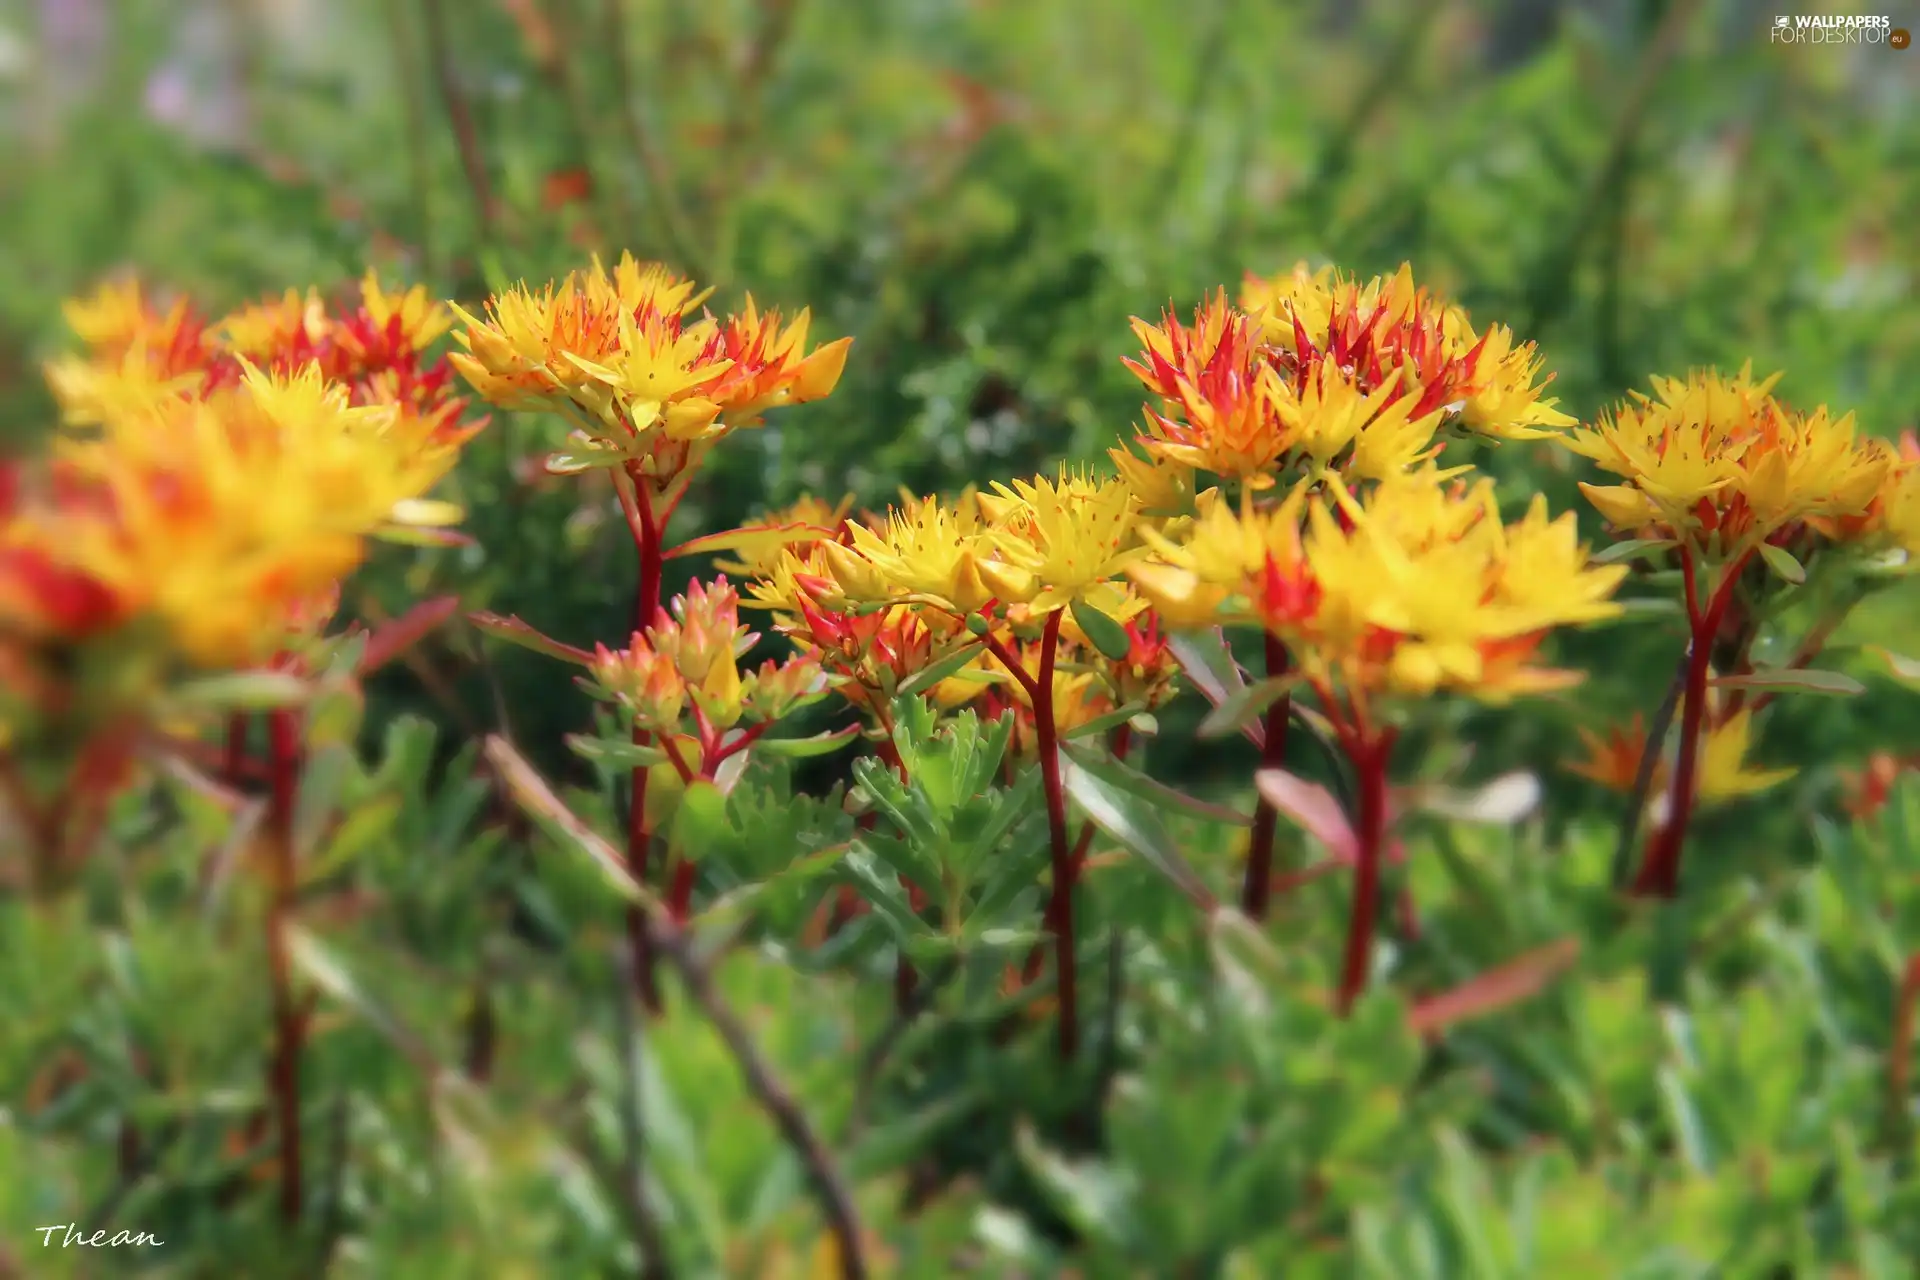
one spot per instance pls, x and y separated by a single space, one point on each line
646 607
1257 890
1060 907
283 732
1659 875
1370 829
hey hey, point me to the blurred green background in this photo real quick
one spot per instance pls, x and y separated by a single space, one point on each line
982 192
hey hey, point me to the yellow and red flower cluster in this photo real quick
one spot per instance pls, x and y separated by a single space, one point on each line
1326 373
1415 587
214 483
647 383
690 661
885 599
1720 465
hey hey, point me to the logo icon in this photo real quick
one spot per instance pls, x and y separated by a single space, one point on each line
1899 38
1782 20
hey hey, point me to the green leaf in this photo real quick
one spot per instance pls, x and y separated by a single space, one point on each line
406 535
700 821
819 744
323 785
1101 724
614 753
759 538
1134 825
1244 706
1108 636
1119 774
1097 1199
1209 666
1795 680
1784 566
1905 670
1504 801
929 676
1635 608
514 631
1632 549
527 789
326 972
574 463
245 691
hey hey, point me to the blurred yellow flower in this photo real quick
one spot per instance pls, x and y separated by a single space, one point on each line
1719 463
1417 588
1613 760
227 518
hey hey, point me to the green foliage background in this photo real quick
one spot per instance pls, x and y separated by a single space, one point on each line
982 192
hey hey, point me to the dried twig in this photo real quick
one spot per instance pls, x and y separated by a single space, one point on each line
654 1263
663 196
406 55
889 1039
673 945
669 942
1553 281
460 116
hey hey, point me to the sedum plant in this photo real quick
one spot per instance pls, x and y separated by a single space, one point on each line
875 801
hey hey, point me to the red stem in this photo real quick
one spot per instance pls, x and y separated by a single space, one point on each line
1012 664
646 607
1060 908
1370 768
680 895
1122 740
233 767
1257 889
1659 875
283 732
1900 1054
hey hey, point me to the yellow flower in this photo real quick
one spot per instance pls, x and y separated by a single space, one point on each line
1214 574
1211 378
1061 538
1380 329
760 543
230 516
771 366
1724 774
1613 761
1329 415
291 323
620 355
1164 486
413 317
1720 463
136 354
520 354
657 376
928 552
1417 588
